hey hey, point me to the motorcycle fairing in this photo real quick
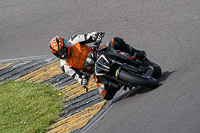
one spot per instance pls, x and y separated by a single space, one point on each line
102 66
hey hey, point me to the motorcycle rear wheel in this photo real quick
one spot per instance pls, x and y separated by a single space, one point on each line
143 81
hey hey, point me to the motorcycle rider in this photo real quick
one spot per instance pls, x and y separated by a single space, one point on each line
73 54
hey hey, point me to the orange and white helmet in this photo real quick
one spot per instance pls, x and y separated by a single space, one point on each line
59 47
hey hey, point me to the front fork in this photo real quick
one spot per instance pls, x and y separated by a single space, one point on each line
150 71
129 85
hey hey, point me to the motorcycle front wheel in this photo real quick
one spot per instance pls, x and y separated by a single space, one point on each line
141 80
157 70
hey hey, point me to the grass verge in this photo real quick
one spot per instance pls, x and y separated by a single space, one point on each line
28 107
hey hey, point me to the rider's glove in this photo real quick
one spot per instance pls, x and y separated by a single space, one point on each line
84 80
97 36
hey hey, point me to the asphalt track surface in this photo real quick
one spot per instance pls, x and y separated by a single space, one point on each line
167 30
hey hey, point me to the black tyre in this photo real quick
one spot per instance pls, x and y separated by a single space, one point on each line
157 70
139 80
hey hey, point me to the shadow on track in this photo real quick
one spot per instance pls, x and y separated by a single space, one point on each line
141 90
165 75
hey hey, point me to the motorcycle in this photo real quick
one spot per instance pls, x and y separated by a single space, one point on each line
118 68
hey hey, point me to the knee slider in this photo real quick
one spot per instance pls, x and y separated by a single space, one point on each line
119 40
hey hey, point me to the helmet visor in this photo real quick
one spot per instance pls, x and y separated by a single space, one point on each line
62 53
